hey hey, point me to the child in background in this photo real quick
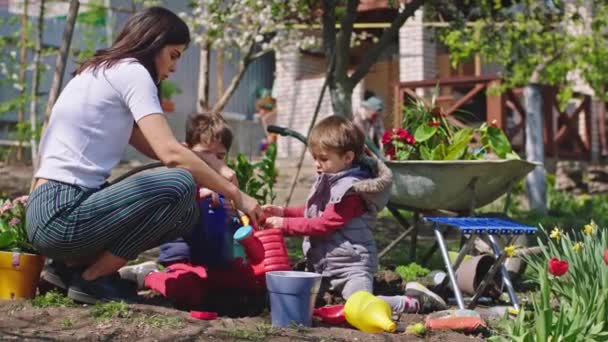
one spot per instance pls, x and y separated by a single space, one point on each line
205 133
341 213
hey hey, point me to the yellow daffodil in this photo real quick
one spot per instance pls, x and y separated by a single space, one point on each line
577 247
590 228
510 250
556 234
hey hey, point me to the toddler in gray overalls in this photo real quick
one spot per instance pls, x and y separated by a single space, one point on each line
341 213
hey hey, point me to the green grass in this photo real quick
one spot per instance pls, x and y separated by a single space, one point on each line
52 299
105 311
160 321
67 323
261 333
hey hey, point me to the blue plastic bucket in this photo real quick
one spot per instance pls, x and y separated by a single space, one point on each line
292 297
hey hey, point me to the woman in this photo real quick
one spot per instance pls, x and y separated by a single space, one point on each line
73 216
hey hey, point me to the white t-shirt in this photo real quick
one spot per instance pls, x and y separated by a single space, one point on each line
92 121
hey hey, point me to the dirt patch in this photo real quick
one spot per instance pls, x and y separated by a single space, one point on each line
21 321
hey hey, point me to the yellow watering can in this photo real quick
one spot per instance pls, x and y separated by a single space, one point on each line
368 313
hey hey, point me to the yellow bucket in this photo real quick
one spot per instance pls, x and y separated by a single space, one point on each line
19 274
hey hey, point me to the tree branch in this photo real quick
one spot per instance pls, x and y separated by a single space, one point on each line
343 43
236 79
329 31
387 38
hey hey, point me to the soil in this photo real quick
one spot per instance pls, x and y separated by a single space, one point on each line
21 321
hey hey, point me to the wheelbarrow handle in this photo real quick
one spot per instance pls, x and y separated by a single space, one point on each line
287 132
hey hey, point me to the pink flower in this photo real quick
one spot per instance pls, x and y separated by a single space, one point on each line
21 200
558 267
606 257
6 207
14 221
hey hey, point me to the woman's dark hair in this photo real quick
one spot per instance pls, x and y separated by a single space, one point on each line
143 36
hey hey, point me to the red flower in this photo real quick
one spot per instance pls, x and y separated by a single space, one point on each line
433 123
558 267
386 137
606 257
389 151
402 134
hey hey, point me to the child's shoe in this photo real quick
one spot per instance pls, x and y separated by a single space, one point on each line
428 300
137 273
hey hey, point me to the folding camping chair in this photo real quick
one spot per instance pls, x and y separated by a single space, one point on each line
479 227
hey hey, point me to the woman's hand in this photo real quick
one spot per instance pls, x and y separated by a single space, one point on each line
273 210
273 222
250 207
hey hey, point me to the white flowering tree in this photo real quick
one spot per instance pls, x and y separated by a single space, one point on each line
256 27
251 27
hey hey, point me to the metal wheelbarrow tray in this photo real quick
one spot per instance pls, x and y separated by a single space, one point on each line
456 185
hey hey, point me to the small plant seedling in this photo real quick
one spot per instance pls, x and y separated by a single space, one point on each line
52 299
105 311
67 323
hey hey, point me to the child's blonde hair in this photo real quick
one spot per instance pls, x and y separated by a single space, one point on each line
338 134
206 128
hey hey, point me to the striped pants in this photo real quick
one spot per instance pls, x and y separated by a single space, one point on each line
67 222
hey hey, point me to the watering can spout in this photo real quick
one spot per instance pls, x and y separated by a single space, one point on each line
368 313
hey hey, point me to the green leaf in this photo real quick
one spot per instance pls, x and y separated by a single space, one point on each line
439 152
498 141
424 132
426 153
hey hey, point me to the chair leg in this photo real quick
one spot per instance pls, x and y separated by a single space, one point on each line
448 265
506 280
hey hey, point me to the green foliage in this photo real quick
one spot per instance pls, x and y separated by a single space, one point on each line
412 271
581 293
13 236
539 42
52 299
257 179
168 89
436 138
105 311
161 321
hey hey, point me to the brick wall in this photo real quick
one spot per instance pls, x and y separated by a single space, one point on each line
297 97
416 51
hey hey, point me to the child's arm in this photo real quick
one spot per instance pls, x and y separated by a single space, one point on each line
278 211
334 217
293 212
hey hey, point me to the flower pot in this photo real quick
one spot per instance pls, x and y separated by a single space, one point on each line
168 106
19 274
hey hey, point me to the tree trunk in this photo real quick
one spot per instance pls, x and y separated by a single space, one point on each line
536 184
203 76
22 67
36 85
62 58
234 83
341 99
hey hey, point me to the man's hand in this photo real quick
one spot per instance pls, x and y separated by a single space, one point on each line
273 222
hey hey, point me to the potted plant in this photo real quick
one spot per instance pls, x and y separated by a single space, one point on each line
20 265
167 90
